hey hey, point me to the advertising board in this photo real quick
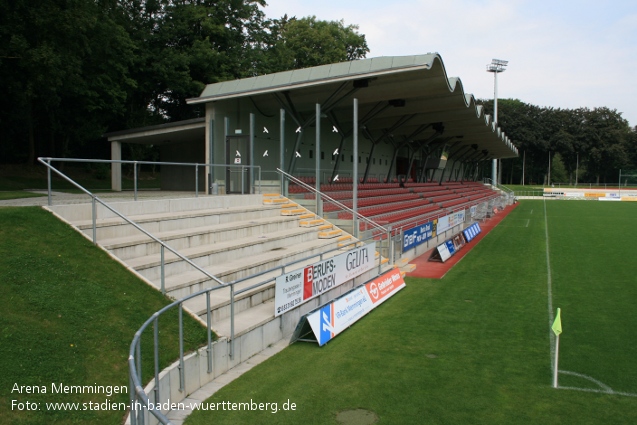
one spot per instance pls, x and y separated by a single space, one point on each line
471 231
418 235
297 287
338 315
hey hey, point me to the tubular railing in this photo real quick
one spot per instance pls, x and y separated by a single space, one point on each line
140 403
394 230
95 200
386 232
138 163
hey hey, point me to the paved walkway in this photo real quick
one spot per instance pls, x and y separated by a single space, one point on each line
82 198
437 270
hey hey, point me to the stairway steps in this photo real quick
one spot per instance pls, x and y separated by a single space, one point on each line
140 245
195 252
186 283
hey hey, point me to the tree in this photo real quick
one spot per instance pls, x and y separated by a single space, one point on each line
558 170
307 42
64 66
598 141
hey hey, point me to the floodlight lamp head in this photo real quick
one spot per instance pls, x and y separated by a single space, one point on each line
497 65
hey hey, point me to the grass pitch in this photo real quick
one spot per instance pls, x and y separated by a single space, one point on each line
68 314
475 347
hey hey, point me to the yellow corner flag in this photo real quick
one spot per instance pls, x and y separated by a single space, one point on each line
557 324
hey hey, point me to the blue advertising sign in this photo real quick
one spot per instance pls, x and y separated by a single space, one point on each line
450 247
417 235
471 231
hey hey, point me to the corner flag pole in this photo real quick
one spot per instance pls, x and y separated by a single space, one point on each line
557 329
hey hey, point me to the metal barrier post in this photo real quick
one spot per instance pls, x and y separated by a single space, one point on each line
196 180
140 413
209 332
48 175
242 182
163 279
133 399
232 321
94 222
182 372
135 178
156 349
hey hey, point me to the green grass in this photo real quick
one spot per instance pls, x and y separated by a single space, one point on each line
69 313
474 347
6 195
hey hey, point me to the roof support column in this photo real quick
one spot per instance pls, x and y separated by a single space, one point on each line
211 155
116 167
282 149
317 161
355 170
251 170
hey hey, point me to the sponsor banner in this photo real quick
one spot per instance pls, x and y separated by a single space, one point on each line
333 318
418 235
443 250
471 232
574 194
450 246
630 198
295 288
451 220
443 224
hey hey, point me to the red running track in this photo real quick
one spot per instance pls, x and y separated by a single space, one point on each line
436 269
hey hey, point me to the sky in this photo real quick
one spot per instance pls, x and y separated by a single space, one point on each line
561 53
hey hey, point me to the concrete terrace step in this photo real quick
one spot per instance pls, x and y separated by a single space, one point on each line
247 320
329 234
110 228
139 244
183 284
220 299
206 255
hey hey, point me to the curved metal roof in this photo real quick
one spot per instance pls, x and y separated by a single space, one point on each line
404 97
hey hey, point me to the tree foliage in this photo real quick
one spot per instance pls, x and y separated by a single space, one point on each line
594 143
74 69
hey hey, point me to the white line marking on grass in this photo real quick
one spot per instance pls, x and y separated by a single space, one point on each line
550 289
592 390
605 389
528 220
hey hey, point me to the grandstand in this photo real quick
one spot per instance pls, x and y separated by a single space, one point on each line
238 260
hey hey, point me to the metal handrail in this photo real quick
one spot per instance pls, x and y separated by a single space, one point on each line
129 221
134 360
355 213
135 163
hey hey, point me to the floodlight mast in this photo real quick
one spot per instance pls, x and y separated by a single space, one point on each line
496 66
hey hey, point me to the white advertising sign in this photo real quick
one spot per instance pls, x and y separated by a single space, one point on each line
340 314
450 221
444 252
295 288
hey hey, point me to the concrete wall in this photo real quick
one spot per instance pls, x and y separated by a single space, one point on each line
236 113
245 346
